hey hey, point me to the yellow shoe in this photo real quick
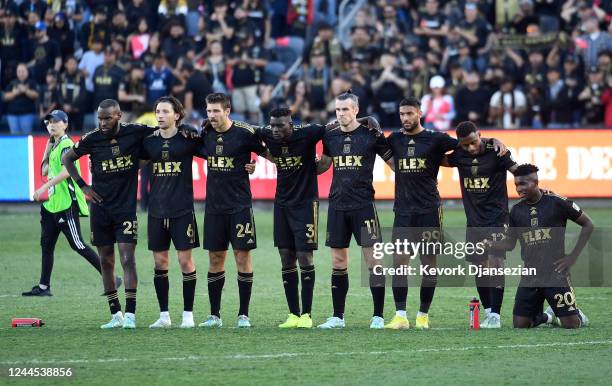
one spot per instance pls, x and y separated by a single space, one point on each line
291 322
305 321
398 323
422 322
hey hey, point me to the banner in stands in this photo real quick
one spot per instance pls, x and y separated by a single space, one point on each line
573 163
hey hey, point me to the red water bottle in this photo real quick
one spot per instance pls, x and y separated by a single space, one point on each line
27 322
474 314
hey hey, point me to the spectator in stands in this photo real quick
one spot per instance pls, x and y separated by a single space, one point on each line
119 26
318 80
389 83
137 9
325 42
476 32
62 33
590 97
361 49
215 67
472 101
49 97
139 40
73 93
132 91
154 49
535 69
90 61
534 115
507 105
176 45
559 101
595 41
197 88
247 63
604 63
38 7
172 11
106 79
44 54
95 29
431 24
220 25
525 17
257 12
158 79
20 100
438 107
297 100
606 100
11 45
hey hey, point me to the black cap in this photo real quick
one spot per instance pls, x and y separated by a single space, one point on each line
58 115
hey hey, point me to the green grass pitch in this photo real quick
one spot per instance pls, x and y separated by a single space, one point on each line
449 353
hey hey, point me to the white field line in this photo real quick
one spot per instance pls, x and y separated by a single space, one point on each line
306 354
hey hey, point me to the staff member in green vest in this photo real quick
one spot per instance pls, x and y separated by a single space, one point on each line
65 205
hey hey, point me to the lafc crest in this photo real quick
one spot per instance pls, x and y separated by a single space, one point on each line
115 150
346 149
533 212
165 155
474 168
219 146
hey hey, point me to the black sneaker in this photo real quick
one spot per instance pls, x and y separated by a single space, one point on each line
118 282
37 291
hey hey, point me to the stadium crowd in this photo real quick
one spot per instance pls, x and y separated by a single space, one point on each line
507 64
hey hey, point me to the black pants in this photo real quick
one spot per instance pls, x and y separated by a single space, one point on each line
66 222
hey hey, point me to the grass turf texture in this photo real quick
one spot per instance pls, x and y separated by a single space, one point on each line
447 354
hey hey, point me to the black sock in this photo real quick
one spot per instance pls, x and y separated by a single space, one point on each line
400 291
484 290
216 281
130 300
162 287
307 275
245 284
290 282
377 288
91 256
113 302
428 287
189 287
539 319
497 298
339 288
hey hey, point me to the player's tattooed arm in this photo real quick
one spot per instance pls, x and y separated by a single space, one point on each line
498 145
68 160
323 164
505 243
567 261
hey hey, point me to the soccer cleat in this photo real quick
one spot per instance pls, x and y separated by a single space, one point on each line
37 291
422 322
554 321
243 321
333 322
129 322
492 320
377 323
291 322
398 323
187 321
583 318
162 323
212 322
305 321
115 322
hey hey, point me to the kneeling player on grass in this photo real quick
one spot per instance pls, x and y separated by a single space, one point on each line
482 176
228 217
113 151
66 203
538 221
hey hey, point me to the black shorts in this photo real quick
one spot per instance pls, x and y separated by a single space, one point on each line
362 223
237 228
417 227
108 228
297 228
183 231
529 301
496 231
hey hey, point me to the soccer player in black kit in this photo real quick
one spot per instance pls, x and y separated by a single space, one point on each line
482 176
538 221
171 216
296 208
417 156
228 217
352 148
113 151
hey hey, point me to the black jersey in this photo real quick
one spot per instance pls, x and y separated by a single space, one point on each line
171 174
417 161
228 189
296 180
353 155
540 229
114 164
483 183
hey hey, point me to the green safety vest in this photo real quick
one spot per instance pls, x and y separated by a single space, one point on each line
63 194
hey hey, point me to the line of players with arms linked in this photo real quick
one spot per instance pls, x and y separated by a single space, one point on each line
116 151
